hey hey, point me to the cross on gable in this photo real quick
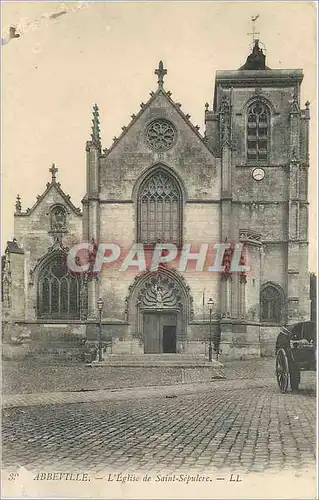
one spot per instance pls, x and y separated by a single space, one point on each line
160 72
53 171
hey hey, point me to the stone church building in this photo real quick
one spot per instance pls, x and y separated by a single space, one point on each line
244 180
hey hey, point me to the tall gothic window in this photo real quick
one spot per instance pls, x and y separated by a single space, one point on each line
159 209
271 304
257 131
58 291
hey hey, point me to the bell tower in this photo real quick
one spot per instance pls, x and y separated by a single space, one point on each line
261 132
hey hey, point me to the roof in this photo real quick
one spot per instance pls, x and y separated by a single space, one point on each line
293 325
13 247
256 60
51 185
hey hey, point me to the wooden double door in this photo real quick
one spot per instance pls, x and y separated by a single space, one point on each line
159 332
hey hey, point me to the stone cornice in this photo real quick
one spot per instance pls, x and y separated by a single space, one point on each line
202 200
116 201
280 242
259 164
260 202
273 77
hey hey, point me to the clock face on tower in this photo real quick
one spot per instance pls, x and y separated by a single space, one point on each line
258 174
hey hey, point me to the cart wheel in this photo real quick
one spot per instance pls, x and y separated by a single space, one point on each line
294 377
282 370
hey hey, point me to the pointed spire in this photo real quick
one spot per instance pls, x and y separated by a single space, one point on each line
160 72
53 171
18 205
96 126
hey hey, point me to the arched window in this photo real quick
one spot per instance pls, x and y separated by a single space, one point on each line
159 209
58 291
257 131
58 219
271 304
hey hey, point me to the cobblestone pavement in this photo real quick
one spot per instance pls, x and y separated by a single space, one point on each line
31 376
244 426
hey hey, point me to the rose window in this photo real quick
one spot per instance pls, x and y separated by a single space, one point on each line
160 135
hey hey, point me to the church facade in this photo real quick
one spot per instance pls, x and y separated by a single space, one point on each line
242 183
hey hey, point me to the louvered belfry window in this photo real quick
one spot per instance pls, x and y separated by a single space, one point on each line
58 291
257 131
159 214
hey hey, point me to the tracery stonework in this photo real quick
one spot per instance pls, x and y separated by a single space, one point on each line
160 292
160 207
160 135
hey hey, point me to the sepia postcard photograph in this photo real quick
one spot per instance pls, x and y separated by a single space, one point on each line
159 249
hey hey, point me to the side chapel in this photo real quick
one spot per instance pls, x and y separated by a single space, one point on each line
245 179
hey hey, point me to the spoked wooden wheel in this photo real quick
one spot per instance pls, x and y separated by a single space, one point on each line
282 370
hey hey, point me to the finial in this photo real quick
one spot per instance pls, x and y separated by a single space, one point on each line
160 72
96 127
53 171
307 104
206 106
18 204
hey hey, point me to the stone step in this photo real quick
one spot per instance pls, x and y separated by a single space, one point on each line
162 356
153 360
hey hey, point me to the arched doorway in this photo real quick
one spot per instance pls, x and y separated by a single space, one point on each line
160 309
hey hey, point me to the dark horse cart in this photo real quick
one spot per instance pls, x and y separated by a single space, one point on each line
295 352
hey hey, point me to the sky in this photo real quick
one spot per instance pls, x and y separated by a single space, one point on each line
107 53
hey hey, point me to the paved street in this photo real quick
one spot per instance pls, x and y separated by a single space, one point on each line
239 424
